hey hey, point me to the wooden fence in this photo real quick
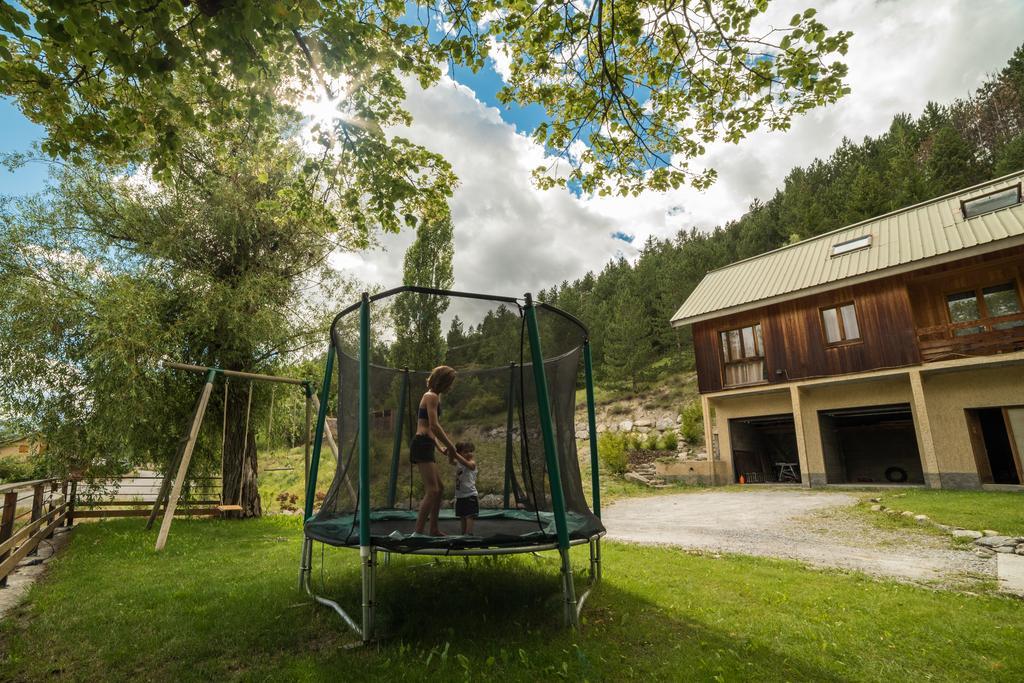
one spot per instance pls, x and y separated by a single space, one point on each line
32 510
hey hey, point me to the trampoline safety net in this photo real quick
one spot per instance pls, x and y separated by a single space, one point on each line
493 404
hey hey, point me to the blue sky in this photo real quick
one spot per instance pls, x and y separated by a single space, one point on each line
18 134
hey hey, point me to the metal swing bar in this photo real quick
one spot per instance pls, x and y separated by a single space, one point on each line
368 553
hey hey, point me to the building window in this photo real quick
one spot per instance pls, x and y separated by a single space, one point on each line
743 355
840 324
856 244
981 305
993 201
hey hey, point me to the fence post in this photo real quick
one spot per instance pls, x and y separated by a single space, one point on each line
37 509
52 505
7 525
71 503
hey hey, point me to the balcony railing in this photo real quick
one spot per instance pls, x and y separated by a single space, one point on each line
974 338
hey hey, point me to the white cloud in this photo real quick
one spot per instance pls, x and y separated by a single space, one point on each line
511 237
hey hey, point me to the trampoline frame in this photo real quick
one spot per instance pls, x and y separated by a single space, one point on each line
572 606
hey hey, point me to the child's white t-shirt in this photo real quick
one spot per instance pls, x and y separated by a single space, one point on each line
465 481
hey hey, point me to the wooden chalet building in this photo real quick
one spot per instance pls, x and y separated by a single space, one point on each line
889 351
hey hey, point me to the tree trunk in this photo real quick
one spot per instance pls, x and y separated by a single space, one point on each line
240 462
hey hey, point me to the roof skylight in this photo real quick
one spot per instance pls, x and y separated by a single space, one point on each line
857 243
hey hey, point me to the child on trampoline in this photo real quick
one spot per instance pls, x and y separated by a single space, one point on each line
429 435
467 505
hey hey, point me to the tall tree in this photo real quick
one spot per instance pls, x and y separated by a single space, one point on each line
108 274
628 346
419 344
951 163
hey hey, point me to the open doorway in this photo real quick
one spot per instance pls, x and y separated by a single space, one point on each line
764 449
870 445
998 438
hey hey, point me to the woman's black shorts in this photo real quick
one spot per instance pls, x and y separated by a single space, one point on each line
422 449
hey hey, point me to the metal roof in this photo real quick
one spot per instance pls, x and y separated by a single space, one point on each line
911 238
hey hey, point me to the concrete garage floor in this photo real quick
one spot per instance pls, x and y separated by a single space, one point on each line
809 526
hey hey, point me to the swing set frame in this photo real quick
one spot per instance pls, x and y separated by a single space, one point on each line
174 478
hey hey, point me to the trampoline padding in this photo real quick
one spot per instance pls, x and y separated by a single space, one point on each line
394 530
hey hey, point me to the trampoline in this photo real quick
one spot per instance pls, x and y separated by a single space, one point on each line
515 398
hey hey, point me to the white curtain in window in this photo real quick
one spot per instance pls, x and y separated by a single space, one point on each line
749 372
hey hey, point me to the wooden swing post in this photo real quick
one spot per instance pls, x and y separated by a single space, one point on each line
186 457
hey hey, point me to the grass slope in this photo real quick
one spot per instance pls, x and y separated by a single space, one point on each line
221 603
999 510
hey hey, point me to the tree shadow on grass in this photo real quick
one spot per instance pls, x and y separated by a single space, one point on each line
497 606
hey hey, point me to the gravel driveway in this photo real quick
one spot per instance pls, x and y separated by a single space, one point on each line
809 526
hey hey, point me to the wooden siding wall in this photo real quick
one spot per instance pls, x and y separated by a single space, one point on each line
794 341
889 311
928 289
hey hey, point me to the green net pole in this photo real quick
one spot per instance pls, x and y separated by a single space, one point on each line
396 449
595 477
318 439
547 429
508 434
364 421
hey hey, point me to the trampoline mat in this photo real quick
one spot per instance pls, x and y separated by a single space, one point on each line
393 530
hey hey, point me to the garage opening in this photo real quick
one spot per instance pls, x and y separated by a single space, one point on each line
871 445
997 443
764 449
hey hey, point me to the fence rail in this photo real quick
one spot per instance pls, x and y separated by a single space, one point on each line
31 511
974 338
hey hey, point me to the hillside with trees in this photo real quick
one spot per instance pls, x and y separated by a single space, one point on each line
945 148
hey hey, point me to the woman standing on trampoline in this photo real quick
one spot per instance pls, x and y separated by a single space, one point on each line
430 434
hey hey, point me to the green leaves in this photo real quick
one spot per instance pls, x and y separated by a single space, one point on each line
644 85
647 86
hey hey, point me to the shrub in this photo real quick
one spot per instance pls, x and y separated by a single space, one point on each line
483 405
650 442
632 442
12 470
287 501
692 427
669 440
611 448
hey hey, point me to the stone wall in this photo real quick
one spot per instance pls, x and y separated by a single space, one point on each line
641 422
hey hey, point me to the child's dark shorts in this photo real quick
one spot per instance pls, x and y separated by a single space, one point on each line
467 507
422 449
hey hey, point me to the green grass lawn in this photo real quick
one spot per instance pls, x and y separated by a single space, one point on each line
998 510
220 603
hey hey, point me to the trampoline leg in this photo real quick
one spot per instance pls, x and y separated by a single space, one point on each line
568 590
369 558
595 560
306 561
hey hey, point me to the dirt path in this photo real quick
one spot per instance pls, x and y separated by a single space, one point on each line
813 527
